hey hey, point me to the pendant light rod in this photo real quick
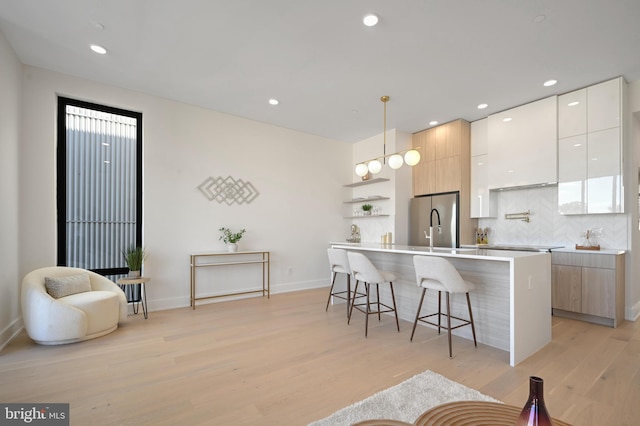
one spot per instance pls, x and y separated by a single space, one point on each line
384 100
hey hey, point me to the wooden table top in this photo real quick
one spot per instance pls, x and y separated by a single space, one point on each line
462 413
473 413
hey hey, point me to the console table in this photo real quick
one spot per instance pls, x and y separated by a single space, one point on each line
209 259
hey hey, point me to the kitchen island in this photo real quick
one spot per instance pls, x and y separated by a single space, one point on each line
511 302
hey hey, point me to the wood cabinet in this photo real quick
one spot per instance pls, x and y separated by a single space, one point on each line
590 150
444 167
588 286
523 145
444 163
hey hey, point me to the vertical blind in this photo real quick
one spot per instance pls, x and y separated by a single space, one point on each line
100 186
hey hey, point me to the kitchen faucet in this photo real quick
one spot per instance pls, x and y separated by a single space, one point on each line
430 235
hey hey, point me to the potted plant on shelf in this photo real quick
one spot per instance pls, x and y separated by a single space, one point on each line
231 238
367 209
134 257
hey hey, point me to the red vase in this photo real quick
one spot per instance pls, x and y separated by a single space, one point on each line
534 411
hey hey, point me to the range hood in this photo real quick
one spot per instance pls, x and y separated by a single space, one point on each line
533 186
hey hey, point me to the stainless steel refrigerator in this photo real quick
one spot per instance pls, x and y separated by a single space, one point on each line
426 210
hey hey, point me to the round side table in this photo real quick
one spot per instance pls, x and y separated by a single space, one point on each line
476 413
138 280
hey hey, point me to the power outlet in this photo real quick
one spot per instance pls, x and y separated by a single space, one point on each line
290 270
530 284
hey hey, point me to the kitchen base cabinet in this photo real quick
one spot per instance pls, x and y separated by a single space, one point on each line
588 286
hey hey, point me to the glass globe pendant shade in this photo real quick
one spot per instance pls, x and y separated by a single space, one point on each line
361 169
412 157
395 161
375 166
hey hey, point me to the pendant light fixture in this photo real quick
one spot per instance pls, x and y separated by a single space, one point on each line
409 156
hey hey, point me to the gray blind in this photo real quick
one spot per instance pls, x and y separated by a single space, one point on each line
101 187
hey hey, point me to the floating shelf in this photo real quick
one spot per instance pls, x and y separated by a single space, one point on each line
366 200
366 182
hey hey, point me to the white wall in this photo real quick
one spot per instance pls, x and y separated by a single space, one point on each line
10 319
299 178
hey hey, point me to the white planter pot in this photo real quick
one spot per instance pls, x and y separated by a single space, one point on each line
232 247
134 274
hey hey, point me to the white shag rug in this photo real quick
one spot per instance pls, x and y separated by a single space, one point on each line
406 401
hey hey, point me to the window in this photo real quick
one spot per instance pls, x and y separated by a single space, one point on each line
99 182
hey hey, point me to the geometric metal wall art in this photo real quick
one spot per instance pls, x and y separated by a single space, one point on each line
228 190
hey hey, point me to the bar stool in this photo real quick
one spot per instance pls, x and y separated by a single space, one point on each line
363 270
339 263
437 273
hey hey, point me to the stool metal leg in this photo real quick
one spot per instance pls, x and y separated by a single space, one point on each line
366 317
424 290
473 327
449 325
395 310
439 309
333 281
348 292
378 299
352 303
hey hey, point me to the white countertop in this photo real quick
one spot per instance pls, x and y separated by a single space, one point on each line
469 253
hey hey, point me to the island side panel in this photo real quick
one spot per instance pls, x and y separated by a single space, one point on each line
530 306
489 301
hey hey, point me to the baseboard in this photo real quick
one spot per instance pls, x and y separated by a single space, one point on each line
10 332
184 301
632 313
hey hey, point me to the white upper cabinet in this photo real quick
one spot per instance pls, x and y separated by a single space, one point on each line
572 114
603 111
523 145
590 150
572 174
482 204
480 137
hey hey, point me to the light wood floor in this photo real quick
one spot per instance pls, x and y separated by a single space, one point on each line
285 361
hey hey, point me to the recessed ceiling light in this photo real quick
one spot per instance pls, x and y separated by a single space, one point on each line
98 49
274 101
507 119
483 106
550 83
98 25
433 123
370 19
573 103
577 144
539 19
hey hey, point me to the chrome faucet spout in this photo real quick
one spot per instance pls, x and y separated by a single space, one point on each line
431 217
430 235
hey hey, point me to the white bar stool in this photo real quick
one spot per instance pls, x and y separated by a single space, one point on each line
437 273
339 263
363 270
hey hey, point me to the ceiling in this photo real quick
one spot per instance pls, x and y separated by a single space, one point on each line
436 59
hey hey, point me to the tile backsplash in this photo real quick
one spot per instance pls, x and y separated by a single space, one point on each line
546 225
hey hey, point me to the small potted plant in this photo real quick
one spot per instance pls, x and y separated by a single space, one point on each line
231 238
367 209
134 257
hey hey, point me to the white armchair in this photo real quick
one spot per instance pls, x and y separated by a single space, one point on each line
92 310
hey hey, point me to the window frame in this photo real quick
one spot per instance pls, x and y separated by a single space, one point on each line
61 175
